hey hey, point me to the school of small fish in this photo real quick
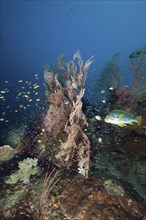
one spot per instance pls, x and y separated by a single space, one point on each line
27 95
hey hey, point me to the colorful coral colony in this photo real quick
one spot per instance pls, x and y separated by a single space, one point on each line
63 122
60 135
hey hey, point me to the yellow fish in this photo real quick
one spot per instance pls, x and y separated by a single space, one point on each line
122 118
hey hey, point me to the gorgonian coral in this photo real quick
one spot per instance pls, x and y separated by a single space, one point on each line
64 120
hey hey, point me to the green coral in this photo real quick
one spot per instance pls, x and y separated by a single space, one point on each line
27 167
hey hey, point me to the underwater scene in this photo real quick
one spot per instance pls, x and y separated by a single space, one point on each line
73 110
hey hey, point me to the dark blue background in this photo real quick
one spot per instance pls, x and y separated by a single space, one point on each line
34 33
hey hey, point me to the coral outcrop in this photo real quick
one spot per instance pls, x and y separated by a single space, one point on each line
91 198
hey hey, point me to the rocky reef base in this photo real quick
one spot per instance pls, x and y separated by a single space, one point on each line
74 198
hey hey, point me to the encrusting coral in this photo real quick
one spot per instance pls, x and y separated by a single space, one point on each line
64 121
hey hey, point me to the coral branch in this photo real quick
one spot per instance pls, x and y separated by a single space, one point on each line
128 94
64 120
48 184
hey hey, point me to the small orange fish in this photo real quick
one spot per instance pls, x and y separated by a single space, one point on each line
144 217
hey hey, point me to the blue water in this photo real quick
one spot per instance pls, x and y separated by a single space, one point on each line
34 33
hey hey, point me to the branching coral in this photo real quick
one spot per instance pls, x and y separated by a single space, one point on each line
111 82
137 68
64 119
49 182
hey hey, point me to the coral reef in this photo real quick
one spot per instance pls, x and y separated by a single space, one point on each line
115 187
74 197
63 124
86 199
129 94
118 152
119 94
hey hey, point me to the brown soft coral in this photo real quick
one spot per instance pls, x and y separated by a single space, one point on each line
65 121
